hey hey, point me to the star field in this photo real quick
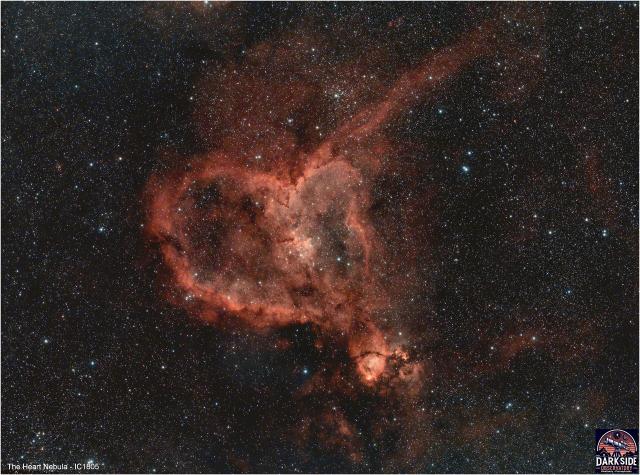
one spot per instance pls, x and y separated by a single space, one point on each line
318 237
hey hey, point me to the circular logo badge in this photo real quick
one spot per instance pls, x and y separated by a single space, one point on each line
618 442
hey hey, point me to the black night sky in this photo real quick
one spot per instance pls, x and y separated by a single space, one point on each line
318 237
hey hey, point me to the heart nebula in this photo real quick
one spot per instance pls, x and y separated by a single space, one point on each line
289 239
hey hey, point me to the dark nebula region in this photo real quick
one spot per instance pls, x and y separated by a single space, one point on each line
318 237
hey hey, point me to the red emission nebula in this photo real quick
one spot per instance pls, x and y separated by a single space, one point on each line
267 231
